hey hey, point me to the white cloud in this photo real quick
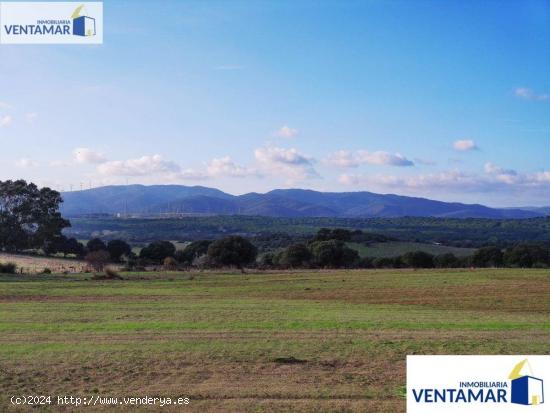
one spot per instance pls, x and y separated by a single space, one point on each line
384 158
542 177
346 159
342 159
226 167
6 120
146 165
190 174
286 132
528 94
508 176
465 145
422 183
4 105
287 162
25 163
495 180
86 155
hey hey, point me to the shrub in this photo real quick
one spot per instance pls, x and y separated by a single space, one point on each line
8 268
110 274
447 260
418 259
97 259
295 256
384 262
192 251
365 262
46 271
202 262
170 264
266 260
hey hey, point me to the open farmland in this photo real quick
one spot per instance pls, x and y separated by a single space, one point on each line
34 264
396 248
326 341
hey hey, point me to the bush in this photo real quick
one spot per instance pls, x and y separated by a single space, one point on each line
233 251
202 262
170 264
447 260
97 259
192 251
385 262
266 260
8 268
110 274
365 262
295 256
418 259
46 271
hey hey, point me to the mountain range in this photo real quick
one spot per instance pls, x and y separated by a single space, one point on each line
155 199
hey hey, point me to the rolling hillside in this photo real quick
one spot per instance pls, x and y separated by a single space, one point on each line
155 199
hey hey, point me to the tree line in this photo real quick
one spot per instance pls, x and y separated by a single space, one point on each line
30 220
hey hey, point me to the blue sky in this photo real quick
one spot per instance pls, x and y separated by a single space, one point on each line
444 99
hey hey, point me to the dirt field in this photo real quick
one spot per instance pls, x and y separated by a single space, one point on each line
35 265
331 341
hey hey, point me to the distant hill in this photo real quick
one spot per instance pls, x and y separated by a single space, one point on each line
539 210
155 199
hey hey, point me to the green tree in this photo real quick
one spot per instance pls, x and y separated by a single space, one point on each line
157 251
192 251
488 257
233 251
418 259
295 256
527 255
333 254
29 216
95 244
447 260
118 248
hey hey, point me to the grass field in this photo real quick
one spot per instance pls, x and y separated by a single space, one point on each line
397 248
308 341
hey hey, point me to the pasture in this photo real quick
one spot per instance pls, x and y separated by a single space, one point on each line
397 248
308 341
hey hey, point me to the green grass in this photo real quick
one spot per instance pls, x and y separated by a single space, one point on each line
216 336
394 249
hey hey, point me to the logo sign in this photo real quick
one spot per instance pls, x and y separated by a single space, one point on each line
51 23
477 384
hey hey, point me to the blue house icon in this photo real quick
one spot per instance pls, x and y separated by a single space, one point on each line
526 389
84 26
